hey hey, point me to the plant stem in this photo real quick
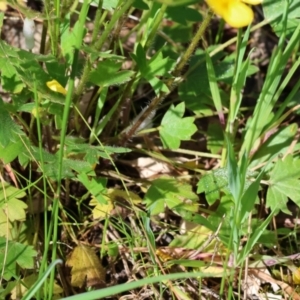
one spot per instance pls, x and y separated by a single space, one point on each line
186 56
171 83
68 104
97 22
87 68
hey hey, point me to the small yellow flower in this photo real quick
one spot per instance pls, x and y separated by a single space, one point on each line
235 12
55 86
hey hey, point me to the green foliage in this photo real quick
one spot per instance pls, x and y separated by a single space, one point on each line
183 14
25 66
9 130
277 144
213 183
76 138
273 11
215 137
107 73
96 186
150 69
171 193
11 208
91 154
284 183
195 90
12 254
174 128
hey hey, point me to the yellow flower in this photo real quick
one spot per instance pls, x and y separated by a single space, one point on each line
55 86
235 12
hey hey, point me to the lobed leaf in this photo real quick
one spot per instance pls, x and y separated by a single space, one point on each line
174 128
86 267
284 184
16 253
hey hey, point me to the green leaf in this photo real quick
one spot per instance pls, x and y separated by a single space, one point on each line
15 254
234 176
9 130
107 74
29 70
140 58
248 199
194 239
273 11
258 232
57 70
183 14
69 39
91 153
212 184
215 182
277 144
214 88
215 137
284 183
178 2
156 66
140 4
11 151
95 186
9 77
175 195
107 4
51 161
195 90
174 128
11 208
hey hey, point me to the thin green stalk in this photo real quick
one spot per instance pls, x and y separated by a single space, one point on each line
38 284
172 84
189 52
104 36
125 95
67 107
40 146
47 5
115 17
97 22
56 26
239 80
156 24
113 290
266 101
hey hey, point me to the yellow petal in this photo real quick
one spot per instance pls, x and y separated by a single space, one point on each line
235 12
238 14
253 2
218 6
55 86
3 6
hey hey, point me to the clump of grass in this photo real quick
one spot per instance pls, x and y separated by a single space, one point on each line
105 189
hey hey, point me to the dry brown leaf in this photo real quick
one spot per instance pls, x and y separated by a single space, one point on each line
86 266
287 289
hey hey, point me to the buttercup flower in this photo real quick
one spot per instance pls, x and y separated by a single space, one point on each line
235 12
